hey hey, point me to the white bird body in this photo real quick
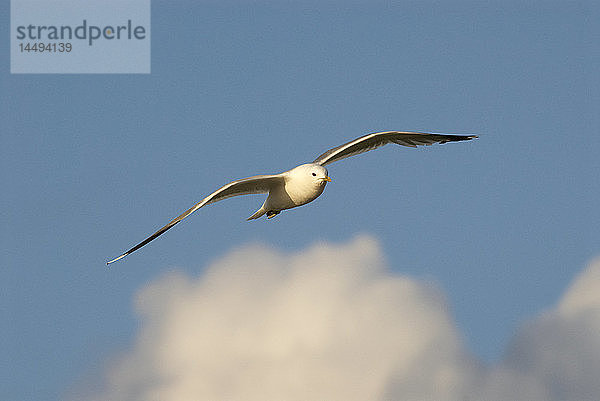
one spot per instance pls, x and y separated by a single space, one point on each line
303 184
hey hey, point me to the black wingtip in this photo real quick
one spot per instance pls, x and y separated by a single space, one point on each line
456 138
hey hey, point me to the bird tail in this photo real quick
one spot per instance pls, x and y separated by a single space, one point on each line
258 213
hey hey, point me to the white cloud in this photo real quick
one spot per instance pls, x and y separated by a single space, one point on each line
333 323
559 352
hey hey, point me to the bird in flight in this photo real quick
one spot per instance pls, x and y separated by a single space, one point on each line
302 184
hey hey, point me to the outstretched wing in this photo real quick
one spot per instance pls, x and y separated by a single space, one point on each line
252 185
375 140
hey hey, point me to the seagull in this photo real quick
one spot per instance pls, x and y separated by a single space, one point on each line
302 184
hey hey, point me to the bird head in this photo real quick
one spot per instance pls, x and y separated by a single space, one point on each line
313 173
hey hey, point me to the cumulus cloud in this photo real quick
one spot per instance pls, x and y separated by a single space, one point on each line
558 353
334 323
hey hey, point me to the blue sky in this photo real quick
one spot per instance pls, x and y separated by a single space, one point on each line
92 164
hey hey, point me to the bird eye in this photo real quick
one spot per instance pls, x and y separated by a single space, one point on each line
314 174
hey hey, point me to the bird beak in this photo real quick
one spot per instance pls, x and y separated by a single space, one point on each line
328 179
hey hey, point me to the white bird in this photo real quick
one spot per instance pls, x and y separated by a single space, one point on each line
302 184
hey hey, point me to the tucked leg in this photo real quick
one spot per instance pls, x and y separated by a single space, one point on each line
272 213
